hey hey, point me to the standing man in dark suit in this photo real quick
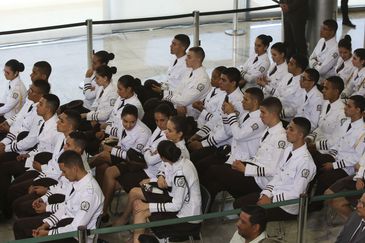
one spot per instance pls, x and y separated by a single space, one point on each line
295 18
354 229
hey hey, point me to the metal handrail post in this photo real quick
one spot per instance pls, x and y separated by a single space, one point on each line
302 217
82 233
235 31
89 30
196 24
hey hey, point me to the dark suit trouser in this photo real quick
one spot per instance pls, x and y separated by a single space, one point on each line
205 158
294 36
345 10
273 214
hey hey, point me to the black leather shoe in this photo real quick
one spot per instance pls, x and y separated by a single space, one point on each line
349 24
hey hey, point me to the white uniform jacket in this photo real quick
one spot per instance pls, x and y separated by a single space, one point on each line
360 174
103 104
356 86
311 106
263 166
185 193
276 77
84 205
324 59
115 116
247 131
293 175
329 122
255 67
176 72
90 90
136 138
345 70
212 105
15 98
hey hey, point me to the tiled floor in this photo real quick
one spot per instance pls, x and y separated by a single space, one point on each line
145 54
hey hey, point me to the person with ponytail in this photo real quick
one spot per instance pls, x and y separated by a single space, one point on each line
356 86
344 68
16 93
89 85
257 65
106 95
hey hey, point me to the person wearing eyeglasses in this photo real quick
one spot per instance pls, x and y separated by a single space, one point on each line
354 229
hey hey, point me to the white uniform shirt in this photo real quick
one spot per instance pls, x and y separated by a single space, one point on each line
356 86
103 104
84 205
346 146
236 238
255 67
193 87
136 138
212 105
360 174
90 90
15 98
275 78
311 106
263 166
345 70
176 72
152 158
185 193
329 122
115 116
292 177
324 59
247 132
290 94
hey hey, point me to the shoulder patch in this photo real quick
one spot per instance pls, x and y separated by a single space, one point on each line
200 87
15 95
85 206
112 102
237 113
281 144
319 107
140 147
180 181
305 173
335 55
254 126
262 69
343 121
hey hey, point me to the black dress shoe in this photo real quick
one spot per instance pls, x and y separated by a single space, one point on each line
349 24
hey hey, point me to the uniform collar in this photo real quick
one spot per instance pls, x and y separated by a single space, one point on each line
312 91
14 82
235 92
262 56
331 41
258 238
337 103
134 96
358 123
255 113
78 185
299 151
284 66
277 128
53 119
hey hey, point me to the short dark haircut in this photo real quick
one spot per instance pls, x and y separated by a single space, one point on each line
313 74
130 110
332 24
168 150
44 87
233 74
183 39
337 83
199 52
303 124
79 138
256 93
301 61
44 67
359 102
71 158
180 124
360 52
272 104
257 216
53 102
220 69
74 118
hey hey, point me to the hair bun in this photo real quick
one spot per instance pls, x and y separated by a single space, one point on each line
20 67
111 56
113 70
347 38
268 38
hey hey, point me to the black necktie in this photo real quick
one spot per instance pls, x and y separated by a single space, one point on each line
274 70
191 74
101 93
9 87
256 59
289 82
30 108
73 189
63 143
121 105
263 138
306 97
357 76
246 117
124 134
175 62
340 68
41 130
324 46
348 127
213 93
289 156
357 232
328 108
158 136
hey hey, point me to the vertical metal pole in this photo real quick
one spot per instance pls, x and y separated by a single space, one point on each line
82 234
196 24
302 217
235 30
89 26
